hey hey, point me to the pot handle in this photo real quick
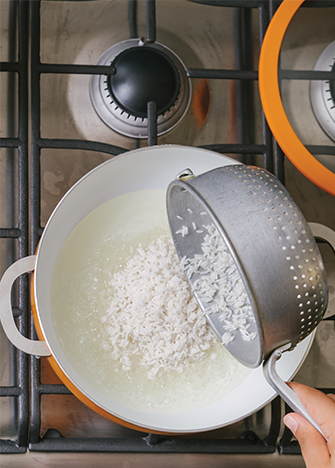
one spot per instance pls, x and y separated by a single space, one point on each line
323 232
37 348
286 392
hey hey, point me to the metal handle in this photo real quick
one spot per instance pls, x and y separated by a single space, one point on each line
286 392
323 232
24 265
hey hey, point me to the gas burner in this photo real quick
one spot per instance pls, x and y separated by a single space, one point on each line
144 72
323 92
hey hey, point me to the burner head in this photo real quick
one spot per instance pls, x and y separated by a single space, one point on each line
332 85
322 93
144 74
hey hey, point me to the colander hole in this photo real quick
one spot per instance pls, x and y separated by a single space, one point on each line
302 312
295 278
296 257
283 248
299 296
296 286
292 247
304 285
288 237
316 268
302 320
310 278
308 302
291 267
300 267
288 258
301 305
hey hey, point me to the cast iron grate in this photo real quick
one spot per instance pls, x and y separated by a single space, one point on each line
17 236
246 150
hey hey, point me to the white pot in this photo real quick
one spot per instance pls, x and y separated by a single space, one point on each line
143 169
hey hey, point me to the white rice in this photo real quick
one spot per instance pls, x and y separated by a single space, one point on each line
219 286
153 314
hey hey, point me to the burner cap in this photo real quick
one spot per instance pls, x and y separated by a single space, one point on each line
144 74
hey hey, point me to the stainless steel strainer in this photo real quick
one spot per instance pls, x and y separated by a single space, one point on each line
274 251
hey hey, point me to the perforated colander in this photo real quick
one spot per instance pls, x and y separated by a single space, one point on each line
275 254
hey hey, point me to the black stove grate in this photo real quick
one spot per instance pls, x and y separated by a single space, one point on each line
273 160
18 236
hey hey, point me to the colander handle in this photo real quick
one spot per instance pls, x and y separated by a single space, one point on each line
24 265
286 392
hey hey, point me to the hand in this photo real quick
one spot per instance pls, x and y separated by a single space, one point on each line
316 451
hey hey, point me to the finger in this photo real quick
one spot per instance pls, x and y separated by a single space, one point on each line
313 445
319 406
331 395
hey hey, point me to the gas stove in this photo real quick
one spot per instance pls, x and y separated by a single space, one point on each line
65 111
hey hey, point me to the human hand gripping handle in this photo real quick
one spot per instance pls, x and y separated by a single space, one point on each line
316 451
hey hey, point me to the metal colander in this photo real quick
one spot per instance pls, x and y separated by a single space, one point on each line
273 249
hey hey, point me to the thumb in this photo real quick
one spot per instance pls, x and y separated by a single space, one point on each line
313 446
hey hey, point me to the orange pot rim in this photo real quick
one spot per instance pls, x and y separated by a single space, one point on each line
272 104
